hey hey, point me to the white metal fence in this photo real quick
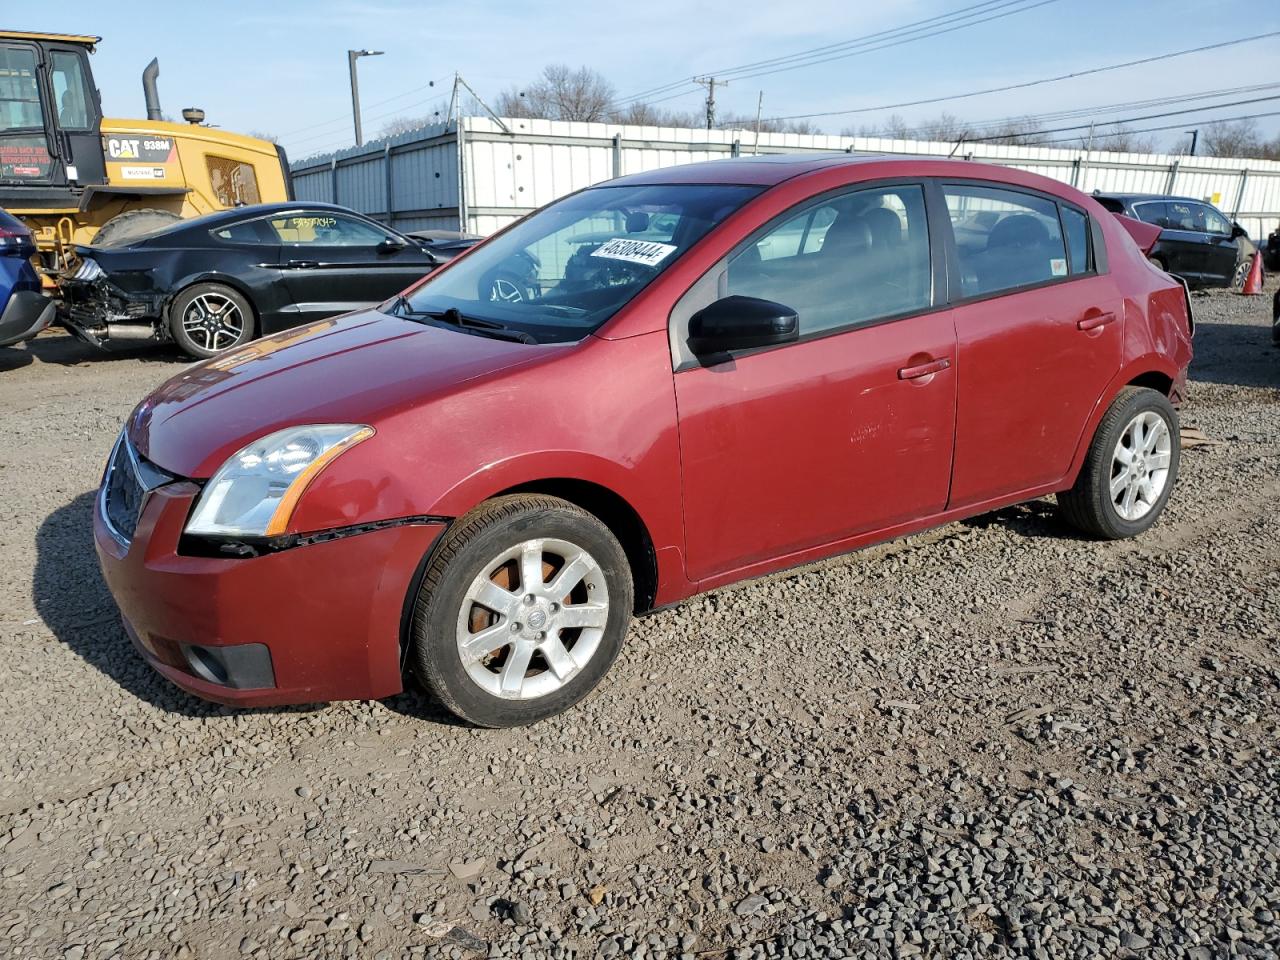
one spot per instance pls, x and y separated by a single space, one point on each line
422 180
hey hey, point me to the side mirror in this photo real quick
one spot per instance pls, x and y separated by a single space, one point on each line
1238 231
740 323
637 222
390 245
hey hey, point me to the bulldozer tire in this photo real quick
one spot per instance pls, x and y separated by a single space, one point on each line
130 224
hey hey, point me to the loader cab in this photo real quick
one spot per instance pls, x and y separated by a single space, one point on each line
50 118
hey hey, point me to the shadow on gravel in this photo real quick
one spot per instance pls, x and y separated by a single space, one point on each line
74 603
1236 355
11 358
59 347
1037 520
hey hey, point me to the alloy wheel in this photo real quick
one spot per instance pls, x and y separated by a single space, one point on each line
213 322
1140 465
532 619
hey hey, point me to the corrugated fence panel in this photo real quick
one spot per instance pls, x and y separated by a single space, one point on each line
522 164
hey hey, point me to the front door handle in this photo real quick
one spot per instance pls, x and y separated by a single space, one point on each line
923 369
1095 321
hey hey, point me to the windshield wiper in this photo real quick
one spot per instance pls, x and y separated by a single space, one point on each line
455 317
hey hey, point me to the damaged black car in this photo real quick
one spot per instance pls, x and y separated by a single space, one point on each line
216 282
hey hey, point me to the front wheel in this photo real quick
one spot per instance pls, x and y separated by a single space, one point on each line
208 318
522 611
1130 469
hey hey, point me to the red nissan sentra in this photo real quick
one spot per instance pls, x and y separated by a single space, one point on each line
653 387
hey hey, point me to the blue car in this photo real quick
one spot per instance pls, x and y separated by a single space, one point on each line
24 309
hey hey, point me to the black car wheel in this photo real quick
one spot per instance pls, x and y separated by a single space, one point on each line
208 318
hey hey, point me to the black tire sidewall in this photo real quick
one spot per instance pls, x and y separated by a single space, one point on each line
1113 428
435 645
183 300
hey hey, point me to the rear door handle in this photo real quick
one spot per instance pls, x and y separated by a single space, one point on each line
923 369
1095 321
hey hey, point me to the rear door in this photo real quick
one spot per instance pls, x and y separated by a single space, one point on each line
334 263
846 431
1039 333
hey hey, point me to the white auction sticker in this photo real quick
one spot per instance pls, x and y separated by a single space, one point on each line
649 252
1058 267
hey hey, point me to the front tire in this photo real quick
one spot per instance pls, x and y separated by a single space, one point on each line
1129 472
521 612
207 319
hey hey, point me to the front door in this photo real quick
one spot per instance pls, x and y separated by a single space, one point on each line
1039 336
334 263
26 155
846 431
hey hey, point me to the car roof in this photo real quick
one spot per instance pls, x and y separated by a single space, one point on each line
764 170
1137 197
250 211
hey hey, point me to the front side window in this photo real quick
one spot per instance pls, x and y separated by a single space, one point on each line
855 258
70 92
1004 238
325 229
1213 221
561 272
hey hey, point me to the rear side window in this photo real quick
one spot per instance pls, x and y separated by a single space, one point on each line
1004 239
855 258
1076 225
1153 212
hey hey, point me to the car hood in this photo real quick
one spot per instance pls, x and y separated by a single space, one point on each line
352 369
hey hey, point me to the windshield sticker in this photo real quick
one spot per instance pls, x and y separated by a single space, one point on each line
648 252
1058 267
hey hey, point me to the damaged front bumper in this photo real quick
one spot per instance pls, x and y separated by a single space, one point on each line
98 312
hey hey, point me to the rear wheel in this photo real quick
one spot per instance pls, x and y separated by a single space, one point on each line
209 318
522 611
132 224
1130 469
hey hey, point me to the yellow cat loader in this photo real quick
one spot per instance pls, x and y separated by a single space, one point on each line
77 178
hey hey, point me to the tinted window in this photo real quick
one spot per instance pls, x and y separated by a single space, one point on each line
1077 227
255 231
1152 211
564 270
1004 239
70 93
326 229
1180 215
854 258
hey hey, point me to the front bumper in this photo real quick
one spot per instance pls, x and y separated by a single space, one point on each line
327 616
25 315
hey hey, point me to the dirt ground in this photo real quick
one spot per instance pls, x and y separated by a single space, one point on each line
992 739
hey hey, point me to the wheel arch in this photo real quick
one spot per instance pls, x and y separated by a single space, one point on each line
223 279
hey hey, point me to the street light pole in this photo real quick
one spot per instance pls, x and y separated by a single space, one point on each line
352 57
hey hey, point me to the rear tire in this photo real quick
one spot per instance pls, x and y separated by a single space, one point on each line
130 225
207 319
1130 469
521 612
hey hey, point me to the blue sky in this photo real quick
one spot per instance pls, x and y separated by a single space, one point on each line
280 67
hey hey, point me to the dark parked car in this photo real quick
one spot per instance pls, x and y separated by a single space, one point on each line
1271 251
717 371
218 281
24 309
1197 242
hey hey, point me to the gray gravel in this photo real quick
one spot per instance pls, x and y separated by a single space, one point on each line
989 740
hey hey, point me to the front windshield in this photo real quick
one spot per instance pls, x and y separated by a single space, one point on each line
563 271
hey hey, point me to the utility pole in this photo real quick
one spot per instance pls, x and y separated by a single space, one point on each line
352 57
710 84
759 110
1195 136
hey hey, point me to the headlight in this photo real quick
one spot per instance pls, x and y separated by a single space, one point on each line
253 494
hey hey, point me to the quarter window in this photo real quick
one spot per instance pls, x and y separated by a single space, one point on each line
1076 225
1004 239
851 259
325 229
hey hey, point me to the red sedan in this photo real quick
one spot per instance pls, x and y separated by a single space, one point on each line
651 388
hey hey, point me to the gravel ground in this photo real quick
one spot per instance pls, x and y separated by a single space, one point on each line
990 740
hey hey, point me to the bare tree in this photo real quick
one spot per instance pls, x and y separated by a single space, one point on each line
269 137
561 93
1239 138
1123 139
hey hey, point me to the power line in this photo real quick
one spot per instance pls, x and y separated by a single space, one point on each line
376 103
1029 83
1171 126
930 26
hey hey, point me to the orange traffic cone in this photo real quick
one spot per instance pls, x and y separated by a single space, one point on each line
1253 282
